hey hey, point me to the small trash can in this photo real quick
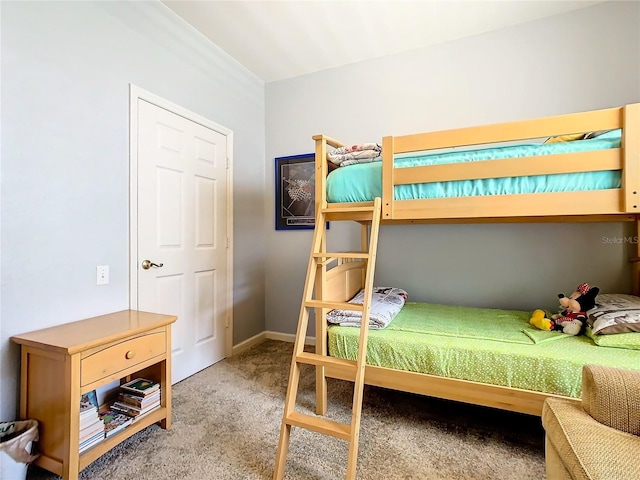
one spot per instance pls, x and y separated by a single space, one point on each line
17 442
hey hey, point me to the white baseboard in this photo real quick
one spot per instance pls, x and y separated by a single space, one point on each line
249 343
288 337
268 335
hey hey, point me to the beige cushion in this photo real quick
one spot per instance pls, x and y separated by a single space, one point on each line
588 449
612 397
598 438
554 466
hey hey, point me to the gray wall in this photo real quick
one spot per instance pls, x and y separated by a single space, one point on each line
66 70
582 60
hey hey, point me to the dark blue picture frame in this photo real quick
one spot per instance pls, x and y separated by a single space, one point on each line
295 192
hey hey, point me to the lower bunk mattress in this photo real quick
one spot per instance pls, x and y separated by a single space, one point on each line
493 346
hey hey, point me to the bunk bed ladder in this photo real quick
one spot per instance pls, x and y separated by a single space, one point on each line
319 258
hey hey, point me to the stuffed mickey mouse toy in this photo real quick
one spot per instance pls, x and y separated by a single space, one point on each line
573 318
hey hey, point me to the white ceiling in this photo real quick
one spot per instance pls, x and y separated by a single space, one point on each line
279 39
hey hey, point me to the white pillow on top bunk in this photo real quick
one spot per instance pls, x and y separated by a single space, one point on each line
571 137
354 154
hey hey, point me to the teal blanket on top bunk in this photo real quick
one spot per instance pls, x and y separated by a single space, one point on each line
363 182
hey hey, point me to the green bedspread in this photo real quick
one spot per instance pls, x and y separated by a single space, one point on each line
511 326
492 346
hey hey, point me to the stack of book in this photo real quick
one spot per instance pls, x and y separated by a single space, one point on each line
137 397
114 421
91 427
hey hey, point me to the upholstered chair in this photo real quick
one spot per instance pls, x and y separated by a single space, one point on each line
598 437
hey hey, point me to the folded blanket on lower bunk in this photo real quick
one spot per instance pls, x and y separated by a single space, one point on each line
386 302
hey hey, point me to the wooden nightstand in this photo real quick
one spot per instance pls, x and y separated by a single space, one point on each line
59 364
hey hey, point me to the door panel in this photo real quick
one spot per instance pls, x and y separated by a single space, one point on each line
182 219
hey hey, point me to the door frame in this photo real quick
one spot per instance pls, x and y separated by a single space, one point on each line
136 93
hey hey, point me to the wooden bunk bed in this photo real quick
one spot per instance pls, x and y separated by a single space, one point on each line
333 279
614 204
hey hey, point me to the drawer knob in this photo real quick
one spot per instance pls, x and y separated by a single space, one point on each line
130 354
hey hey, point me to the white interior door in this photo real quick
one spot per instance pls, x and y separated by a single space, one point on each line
182 223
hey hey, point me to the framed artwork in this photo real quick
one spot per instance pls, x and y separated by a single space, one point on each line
295 192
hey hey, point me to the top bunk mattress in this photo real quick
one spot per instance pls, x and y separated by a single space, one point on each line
363 182
497 347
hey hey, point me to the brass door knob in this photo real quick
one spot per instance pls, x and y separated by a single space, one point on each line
147 264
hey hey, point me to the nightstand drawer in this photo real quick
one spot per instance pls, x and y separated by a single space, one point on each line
121 356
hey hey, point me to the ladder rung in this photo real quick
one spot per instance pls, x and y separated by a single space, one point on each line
340 305
344 369
342 255
324 360
320 425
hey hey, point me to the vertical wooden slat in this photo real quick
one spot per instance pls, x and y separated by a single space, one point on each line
24 372
71 465
165 380
631 157
321 329
364 247
387 178
321 171
635 262
358 388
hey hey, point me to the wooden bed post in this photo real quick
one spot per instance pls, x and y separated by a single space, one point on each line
321 170
631 157
630 144
321 337
364 245
321 323
387 178
635 261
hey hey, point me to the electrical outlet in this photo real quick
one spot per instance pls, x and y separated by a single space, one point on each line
102 274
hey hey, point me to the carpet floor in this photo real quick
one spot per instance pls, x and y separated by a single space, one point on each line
226 423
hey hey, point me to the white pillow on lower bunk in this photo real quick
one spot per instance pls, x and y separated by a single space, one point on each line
386 303
615 313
